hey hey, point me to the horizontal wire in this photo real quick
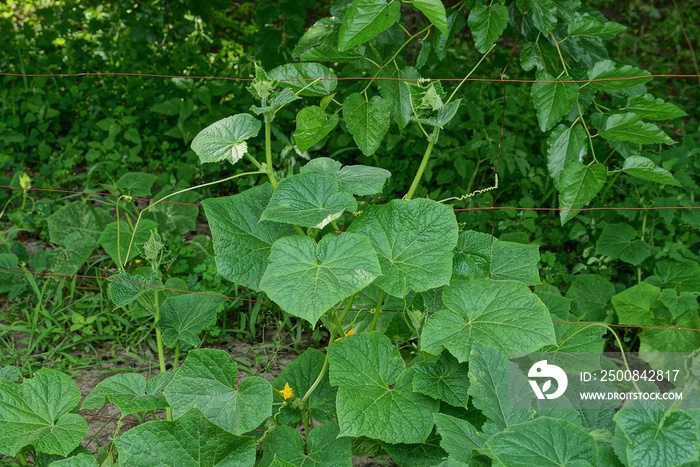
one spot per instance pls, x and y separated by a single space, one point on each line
476 208
209 294
345 78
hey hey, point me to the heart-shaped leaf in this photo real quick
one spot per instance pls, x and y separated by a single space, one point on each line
487 24
311 199
307 79
501 314
356 179
38 413
367 121
242 241
226 139
323 447
414 241
545 442
190 440
129 392
577 185
375 392
207 380
364 19
306 279
312 126
184 317
552 99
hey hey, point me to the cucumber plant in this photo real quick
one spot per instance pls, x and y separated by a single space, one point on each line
422 312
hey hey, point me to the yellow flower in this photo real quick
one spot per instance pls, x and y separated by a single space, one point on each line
349 333
287 392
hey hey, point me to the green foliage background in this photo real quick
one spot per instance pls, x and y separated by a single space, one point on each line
134 136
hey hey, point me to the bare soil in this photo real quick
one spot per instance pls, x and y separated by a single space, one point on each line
103 424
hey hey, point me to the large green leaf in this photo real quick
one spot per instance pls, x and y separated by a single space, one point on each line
608 73
242 241
442 41
312 126
226 139
74 217
544 442
306 279
539 54
116 236
577 185
499 389
301 374
459 437
645 169
129 392
445 379
620 241
477 256
472 256
364 19
124 288
184 317
434 10
311 199
414 241
315 36
646 106
367 121
589 26
552 100
356 179
136 184
314 78
656 437
633 305
38 412
323 447
590 295
76 250
565 144
542 12
501 314
681 276
396 92
487 23
207 380
630 127
189 441
375 394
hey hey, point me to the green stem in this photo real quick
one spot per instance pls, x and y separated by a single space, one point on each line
321 374
424 163
347 308
176 357
306 422
161 350
268 154
377 311
22 459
